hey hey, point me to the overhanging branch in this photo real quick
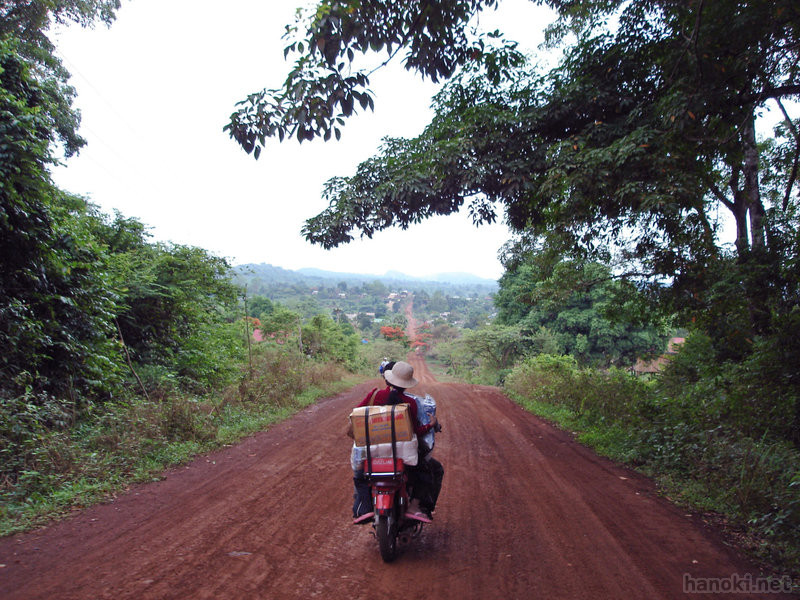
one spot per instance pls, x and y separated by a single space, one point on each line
796 164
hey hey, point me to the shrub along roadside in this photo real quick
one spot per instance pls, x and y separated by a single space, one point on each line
136 439
708 464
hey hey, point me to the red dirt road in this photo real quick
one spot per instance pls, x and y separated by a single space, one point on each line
525 512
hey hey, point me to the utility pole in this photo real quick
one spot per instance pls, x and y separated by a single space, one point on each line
247 334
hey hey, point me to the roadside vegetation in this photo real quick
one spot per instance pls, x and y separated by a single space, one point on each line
713 421
619 170
135 438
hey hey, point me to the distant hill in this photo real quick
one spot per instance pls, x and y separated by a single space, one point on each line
397 276
267 273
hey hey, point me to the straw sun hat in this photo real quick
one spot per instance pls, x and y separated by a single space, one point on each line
401 375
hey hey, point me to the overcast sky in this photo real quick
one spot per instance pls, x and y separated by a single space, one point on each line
156 89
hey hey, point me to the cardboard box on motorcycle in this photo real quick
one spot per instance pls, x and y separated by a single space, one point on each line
380 424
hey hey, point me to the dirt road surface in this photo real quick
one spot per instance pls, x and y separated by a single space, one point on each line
525 512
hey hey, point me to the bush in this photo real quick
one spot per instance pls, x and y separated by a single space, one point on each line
372 354
611 394
277 376
46 468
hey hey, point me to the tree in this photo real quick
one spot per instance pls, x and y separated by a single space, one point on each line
625 153
260 305
497 346
325 340
576 307
322 89
631 143
444 333
281 322
393 332
27 23
54 300
168 293
364 321
438 302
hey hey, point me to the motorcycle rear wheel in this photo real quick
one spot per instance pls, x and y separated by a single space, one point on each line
386 532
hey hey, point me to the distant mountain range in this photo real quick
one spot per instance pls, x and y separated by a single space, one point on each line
454 278
311 276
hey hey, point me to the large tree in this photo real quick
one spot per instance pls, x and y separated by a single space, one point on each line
53 305
645 128
578 306
635 150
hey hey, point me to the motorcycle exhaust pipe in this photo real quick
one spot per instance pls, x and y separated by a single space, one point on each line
404 538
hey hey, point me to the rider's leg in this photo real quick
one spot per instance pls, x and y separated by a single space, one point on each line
362 496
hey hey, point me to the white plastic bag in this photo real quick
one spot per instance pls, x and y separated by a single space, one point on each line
408 451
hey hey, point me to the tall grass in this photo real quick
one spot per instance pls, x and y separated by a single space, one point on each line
134 439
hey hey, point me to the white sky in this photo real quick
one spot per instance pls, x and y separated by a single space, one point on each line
156 89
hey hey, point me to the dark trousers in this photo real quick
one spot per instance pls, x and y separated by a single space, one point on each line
362 497
428 482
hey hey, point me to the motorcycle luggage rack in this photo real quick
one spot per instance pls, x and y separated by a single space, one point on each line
383 467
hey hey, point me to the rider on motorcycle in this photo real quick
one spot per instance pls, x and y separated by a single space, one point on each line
426 478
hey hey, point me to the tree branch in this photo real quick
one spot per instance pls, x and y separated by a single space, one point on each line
721 197
775 93
130 363
588 284
796 165
402 44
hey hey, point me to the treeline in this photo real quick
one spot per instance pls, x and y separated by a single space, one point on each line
118 355
263 278
366 304
550 304
84 297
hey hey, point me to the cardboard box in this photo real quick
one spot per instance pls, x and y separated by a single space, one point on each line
380 424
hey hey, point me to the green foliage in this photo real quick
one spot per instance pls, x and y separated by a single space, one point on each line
633 141
605 395
174 299
210 356
281 322
327 341
25 24
575 307
134 440
324 88
758 395
55 305
90 309
376 351
627 150
62 353
260 306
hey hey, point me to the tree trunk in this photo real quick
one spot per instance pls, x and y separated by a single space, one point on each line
755 208
739 210
755 273
794 435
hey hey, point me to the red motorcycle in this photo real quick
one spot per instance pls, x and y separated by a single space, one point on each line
388 480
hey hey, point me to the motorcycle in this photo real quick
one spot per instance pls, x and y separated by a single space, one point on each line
392 525
388 480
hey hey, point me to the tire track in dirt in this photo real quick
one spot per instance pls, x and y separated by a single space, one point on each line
524 512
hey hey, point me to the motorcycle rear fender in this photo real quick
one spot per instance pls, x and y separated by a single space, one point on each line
383 494
383 502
